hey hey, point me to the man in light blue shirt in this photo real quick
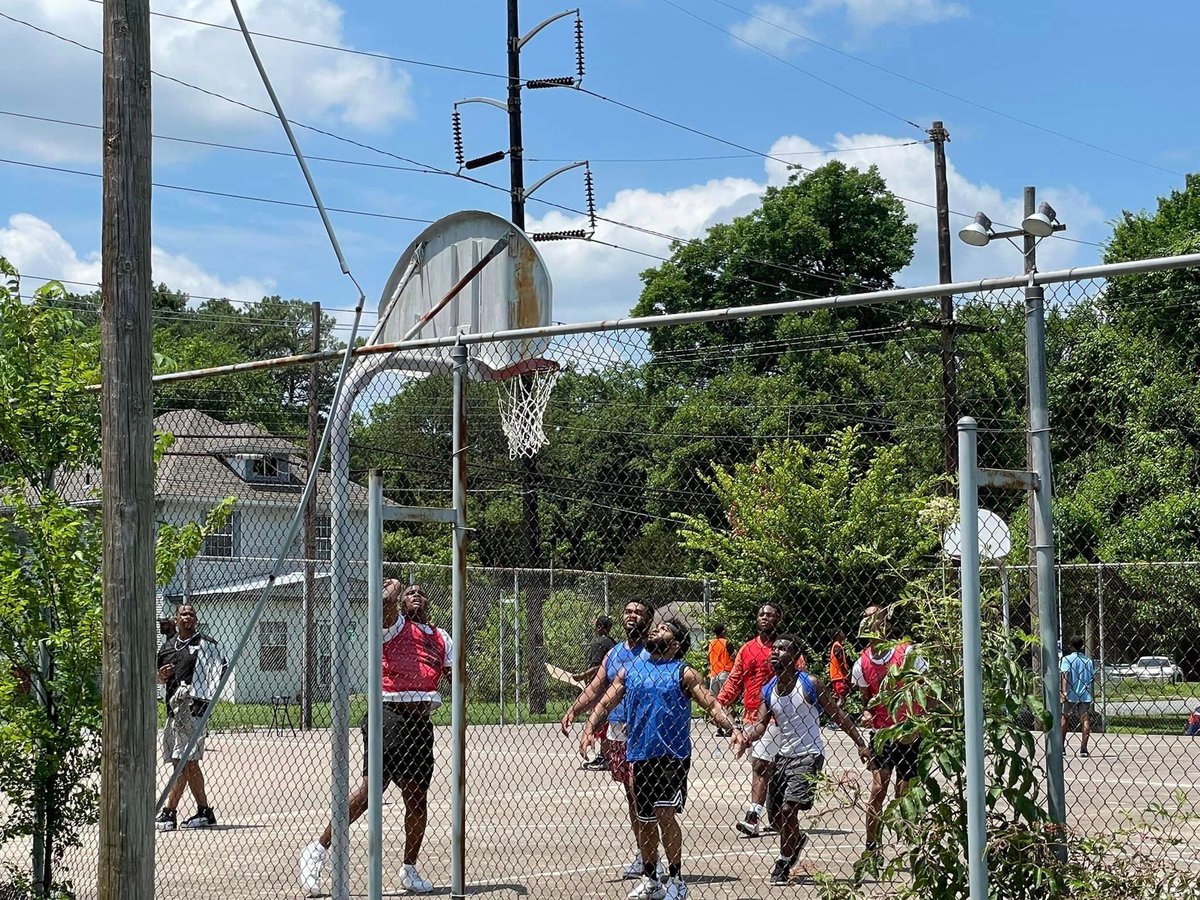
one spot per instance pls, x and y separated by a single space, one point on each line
1078 673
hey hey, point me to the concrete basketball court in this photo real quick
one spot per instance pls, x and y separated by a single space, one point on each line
540 827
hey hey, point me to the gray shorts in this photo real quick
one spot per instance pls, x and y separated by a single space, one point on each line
1075 710
177 733
717 682
795 779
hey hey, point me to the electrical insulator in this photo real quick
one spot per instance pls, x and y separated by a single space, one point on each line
589 187
535 84
456 124
579 46
575 234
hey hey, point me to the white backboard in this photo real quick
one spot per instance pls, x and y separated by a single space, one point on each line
995 541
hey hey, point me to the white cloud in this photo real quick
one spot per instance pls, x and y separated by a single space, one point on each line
592 281
773 27
38 250
314 85
779 28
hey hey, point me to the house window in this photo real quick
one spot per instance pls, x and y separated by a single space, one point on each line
322 537
220 542
272 646
270 468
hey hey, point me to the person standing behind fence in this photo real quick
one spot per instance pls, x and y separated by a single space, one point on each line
597 650
636 619
658 694
189 667
1078 675
839 668
870 670
720 664
416 656
751 670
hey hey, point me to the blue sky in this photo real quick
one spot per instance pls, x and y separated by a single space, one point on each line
1097 73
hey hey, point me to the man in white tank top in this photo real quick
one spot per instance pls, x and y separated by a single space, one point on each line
794 701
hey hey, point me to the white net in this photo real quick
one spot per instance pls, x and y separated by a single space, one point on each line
523 401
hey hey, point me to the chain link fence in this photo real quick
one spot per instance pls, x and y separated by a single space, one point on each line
704 470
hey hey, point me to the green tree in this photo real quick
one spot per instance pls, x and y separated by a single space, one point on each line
822 532
50 589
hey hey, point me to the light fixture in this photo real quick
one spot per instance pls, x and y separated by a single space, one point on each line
979 232
1041 223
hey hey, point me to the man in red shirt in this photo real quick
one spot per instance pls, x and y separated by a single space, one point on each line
751 671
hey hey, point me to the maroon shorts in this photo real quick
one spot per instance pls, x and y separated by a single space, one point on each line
618 765
841 689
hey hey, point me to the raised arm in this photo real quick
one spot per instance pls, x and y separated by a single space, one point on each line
831 707
585 701
606 705
390 606
693 686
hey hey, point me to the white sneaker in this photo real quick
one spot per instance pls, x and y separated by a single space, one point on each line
634 869
410 880
648 889
312 861
676 889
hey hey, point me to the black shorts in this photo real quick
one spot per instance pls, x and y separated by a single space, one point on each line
794 779
897 757
407 746
659 782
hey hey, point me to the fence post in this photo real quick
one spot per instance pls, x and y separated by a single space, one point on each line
1103 675
375 685
517 642
1039 441
458 618
707 597
968 502
606 606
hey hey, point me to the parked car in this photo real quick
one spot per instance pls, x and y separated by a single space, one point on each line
1147 668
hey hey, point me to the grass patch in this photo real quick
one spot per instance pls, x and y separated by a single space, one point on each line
1130 689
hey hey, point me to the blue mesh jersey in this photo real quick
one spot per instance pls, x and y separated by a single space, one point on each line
620 657
1080 672
659 713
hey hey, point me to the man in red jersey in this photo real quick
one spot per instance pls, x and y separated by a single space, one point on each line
751 671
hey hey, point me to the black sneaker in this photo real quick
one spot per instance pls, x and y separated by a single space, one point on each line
599 764
165 821
203 818
1084 753
782 873
749 825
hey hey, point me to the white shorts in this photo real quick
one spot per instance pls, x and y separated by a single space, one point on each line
767 747
177 732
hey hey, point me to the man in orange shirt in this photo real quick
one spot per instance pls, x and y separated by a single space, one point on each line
839 668
720 663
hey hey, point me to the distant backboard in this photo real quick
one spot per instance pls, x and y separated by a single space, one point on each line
995 542
513 290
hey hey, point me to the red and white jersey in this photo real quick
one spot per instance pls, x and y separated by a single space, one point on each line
869 672
414 657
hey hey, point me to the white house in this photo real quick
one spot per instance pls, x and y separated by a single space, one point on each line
209 461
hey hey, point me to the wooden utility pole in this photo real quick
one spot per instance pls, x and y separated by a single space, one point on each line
308 677
939 136
534 620
127 768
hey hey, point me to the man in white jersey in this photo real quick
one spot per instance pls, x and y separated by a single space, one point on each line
794 701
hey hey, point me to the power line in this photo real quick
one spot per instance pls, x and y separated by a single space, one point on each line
669 159
861 99
943 92
289 40
212 193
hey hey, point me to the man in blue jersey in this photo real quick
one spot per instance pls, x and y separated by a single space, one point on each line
636 619
794 701
657 694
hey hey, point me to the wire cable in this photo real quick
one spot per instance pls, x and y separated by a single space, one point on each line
946 93
791 65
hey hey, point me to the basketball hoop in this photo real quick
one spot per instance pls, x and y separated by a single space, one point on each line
524 393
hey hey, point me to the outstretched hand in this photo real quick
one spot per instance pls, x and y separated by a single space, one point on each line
568 720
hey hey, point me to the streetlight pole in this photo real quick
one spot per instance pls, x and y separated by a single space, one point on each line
1039 222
